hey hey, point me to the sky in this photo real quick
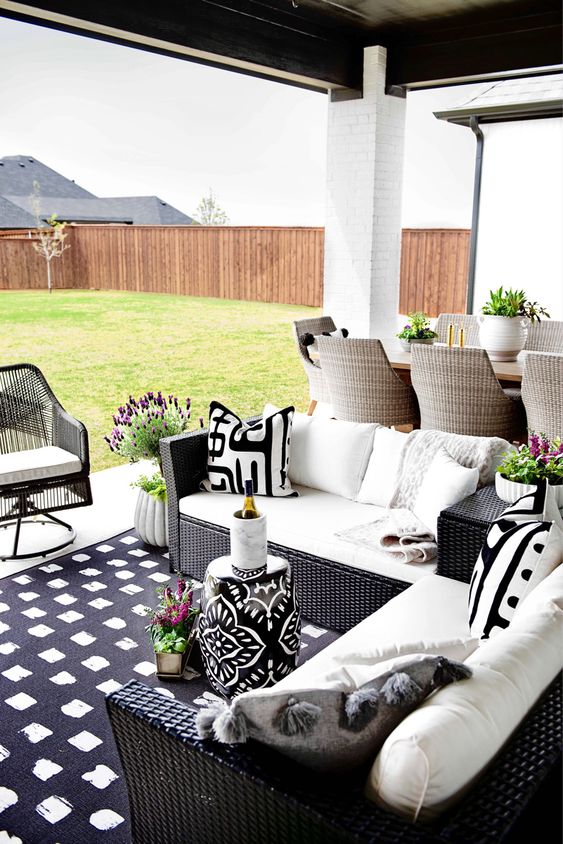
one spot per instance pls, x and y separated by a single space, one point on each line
123 122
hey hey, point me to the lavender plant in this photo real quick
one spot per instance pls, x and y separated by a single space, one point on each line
140 424
537 461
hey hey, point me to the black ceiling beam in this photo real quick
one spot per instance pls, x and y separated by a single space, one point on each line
278 47
421 59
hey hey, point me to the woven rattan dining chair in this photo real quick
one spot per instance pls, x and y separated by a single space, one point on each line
545 336
470 324
362 384
44 458
542 394
318 391
458 391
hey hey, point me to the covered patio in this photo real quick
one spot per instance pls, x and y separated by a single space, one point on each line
495 773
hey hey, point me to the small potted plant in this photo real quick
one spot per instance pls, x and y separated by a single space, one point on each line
504 320
172 629
522 470
139 425
417 330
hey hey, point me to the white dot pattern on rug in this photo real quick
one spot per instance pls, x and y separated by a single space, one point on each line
105 819
76 635
54 809
7 798
44 769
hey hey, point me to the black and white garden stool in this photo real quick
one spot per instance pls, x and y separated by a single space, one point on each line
250 625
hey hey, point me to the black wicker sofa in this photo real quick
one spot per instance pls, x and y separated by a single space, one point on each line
183 789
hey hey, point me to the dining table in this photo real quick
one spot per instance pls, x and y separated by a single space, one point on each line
508 372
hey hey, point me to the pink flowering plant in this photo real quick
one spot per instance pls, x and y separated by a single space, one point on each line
172 622
540 460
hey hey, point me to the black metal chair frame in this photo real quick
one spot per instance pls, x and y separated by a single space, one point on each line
32 417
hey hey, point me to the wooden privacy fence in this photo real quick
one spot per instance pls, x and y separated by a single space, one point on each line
434 265
258 264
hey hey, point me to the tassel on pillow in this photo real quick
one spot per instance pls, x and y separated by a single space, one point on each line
205 718
297 717
399 689
360 707
448 671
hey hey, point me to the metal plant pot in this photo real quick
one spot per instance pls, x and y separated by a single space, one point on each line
406 344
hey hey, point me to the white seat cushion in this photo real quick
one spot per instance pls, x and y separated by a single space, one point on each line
308 523
437 752
428 617
37 463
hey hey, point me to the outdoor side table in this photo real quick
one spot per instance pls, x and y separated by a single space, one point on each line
250 625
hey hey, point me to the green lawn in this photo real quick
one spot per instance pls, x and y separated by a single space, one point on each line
96 348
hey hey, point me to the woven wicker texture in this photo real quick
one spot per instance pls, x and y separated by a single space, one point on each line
363 385
31 417
461 532
317 387
542 393
458 392
180 786
470 325
545 336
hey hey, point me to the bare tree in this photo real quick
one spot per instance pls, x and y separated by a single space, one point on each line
50 241
210 213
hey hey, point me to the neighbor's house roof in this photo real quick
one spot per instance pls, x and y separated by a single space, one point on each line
70 202
512 99
14 217
138 210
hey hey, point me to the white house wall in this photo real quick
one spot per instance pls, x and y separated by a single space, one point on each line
520 236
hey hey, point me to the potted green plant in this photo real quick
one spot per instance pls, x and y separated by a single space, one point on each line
171 628
417 330
139 425
504 320
521 471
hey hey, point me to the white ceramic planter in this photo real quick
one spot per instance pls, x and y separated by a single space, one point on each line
151 520
503 337
511 491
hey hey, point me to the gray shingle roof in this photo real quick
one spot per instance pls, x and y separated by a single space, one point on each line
14 217
534 96
18 172
72 203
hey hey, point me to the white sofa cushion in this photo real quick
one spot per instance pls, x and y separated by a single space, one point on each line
308 524
437 752
429 617
380 479
34 464
328 454
445 483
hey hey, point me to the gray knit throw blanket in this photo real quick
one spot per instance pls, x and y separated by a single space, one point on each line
483 453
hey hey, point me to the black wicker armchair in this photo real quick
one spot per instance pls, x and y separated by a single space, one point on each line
44 458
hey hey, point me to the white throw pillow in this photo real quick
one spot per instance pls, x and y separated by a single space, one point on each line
328 454
436 753
445 483
380 479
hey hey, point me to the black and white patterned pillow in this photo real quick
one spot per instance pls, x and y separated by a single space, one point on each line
238 450
522 547
310 341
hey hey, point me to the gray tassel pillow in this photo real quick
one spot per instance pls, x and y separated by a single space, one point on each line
326 729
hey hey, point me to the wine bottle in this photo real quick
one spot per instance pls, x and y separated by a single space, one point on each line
249 509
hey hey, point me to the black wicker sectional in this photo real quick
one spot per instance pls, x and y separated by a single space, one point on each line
182 789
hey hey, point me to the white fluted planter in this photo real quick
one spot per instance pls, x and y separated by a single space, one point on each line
511 491
151 520
502 337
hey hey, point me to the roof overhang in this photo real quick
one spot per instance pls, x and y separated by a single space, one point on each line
319 43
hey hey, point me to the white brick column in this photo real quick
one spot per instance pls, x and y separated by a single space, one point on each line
363 220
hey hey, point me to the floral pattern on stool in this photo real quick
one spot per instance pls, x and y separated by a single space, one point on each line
249 631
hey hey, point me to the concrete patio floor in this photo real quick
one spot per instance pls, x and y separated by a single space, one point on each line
111 513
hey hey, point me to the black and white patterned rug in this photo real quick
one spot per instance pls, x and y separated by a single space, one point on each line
71 631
